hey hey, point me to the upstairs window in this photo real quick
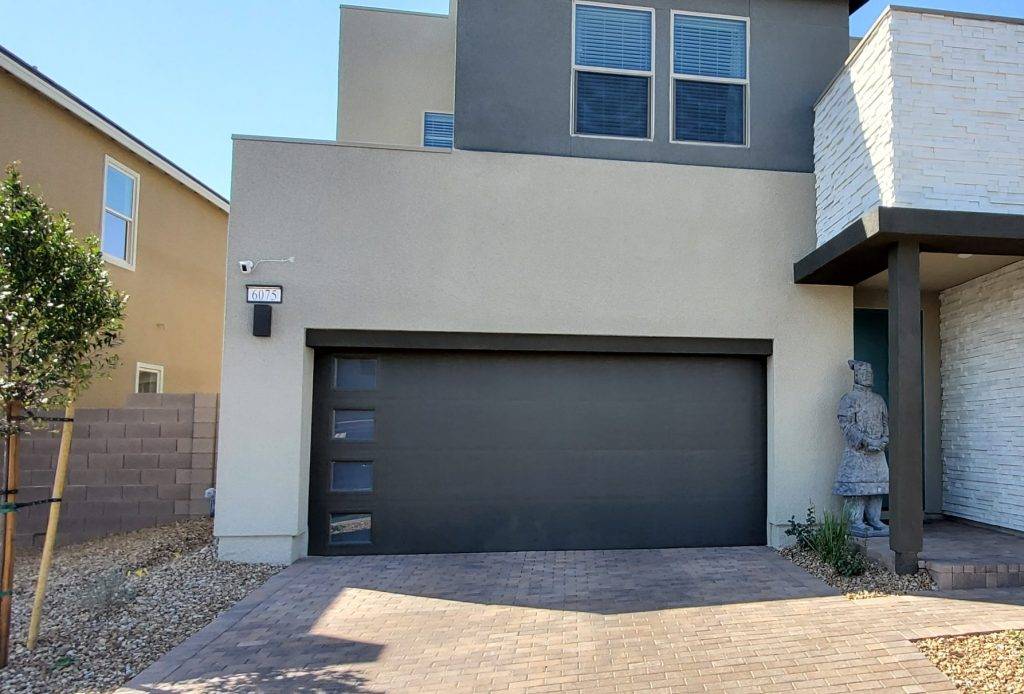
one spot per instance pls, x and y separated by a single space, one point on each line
120 213
438 130
612 71
709 79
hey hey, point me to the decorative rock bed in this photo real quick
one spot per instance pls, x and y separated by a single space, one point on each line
876 582
980 663
116 604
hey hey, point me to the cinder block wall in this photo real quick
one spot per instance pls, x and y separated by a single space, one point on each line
142 465
982 332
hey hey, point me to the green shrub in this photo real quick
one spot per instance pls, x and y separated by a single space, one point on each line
803 532
62 316
829 540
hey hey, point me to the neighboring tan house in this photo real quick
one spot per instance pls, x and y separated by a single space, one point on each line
584 275
163 232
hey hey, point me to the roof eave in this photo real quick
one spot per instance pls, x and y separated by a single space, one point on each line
28 75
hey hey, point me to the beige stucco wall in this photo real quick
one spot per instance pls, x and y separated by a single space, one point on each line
175 314
483 242
393 67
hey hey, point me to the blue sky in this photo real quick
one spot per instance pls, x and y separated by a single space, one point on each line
183 75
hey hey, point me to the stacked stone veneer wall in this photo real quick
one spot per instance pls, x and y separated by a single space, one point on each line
853 147
142 465
926 114
982 332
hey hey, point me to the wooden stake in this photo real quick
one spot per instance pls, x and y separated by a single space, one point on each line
7 571
59 480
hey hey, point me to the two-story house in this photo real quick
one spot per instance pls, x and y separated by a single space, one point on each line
586 275
162 231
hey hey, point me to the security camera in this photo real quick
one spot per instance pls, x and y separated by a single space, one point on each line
246 266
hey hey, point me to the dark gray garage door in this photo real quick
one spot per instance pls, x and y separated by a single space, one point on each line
469 451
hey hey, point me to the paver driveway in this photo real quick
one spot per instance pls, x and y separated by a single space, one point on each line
737 619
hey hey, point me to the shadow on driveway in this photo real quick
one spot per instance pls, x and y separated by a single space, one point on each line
599 581
327 624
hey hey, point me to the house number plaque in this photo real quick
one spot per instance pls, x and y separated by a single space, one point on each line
263 294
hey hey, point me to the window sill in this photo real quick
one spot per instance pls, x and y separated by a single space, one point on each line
612 137
119 262
745 145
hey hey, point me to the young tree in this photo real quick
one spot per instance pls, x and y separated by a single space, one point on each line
59 316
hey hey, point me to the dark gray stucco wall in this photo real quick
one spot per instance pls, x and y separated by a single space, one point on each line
514 76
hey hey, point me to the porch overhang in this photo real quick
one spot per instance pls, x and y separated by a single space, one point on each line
891 240
861 250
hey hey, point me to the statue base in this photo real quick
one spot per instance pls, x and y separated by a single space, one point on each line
868 531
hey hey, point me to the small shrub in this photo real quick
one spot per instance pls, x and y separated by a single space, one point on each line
803 532
829 540
108 590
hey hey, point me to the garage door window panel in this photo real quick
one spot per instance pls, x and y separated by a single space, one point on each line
352 476
351 529
356 374
355 426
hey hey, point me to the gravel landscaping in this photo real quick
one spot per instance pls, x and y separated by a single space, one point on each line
982 662
116 604
876 582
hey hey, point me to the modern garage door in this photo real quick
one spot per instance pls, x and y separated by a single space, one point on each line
422 451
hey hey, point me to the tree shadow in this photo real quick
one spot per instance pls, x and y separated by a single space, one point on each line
285 663
282 680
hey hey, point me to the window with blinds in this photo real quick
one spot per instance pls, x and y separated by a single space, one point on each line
710 83
438 130
612 70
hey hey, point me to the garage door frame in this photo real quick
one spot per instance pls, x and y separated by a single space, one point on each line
325 342
532 342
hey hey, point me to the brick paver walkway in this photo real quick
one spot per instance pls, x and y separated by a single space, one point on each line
741 619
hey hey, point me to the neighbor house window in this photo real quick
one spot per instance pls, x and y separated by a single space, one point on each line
120 213
709 78
613 70
438 130
149 378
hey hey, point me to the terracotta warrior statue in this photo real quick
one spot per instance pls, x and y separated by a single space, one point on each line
863 477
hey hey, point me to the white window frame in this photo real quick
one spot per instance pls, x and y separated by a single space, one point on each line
649 74
675 76
131 243
158 369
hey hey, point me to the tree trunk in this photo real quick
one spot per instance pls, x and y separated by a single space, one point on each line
10 493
